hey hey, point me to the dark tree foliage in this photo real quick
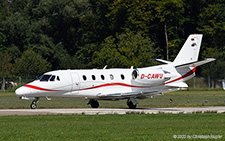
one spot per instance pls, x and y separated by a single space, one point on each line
69 34
5 65
125 50
31 64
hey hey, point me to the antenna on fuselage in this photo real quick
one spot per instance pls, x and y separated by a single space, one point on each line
105 67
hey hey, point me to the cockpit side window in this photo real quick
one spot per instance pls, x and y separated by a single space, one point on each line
45 78
40 77
52 78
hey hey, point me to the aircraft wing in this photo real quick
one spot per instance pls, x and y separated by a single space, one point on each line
138 94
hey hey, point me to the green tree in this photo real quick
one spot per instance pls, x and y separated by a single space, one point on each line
4 9
17 30
31 64
161 20
212 25
5 65
71 22
85 53
128 49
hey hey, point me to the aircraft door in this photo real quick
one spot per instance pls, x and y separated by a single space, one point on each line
75 83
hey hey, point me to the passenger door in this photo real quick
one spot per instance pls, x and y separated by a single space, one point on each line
75 83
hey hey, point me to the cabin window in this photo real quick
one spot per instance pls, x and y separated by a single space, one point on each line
58 78
134 74
103 77
45 78
93 77
111 76
52 78
84 78
122 77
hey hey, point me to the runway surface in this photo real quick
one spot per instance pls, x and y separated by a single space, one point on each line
90 111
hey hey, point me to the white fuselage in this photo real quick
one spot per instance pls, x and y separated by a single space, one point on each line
97 83
115 84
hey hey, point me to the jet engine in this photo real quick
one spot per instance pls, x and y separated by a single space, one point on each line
149 76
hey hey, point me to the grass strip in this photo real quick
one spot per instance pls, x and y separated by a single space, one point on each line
110 127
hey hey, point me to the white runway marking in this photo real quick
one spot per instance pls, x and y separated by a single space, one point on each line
90 111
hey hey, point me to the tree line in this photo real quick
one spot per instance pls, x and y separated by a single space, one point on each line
41 35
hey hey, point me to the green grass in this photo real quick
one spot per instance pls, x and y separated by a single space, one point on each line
8 100
113 127
110 127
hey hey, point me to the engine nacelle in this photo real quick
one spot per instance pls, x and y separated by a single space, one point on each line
149 76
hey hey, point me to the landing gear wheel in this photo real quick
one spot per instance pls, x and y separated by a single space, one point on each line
33 106
131 105
94 103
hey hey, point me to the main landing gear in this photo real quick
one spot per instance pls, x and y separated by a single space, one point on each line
33 105
132 103
94 103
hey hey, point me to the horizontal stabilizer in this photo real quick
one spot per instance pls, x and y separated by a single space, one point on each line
197 63
163 61
179 84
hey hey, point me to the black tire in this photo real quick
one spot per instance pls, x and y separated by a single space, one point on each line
131 105
33 106
94 104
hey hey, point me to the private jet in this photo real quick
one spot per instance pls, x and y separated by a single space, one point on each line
118 83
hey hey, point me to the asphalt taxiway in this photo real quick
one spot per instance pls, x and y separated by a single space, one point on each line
90 111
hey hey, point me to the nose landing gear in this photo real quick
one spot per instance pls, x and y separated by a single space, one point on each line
33 105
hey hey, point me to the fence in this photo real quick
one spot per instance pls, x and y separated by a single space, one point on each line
14 82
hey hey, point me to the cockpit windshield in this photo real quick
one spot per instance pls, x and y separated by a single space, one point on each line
45 78
48 77
40 77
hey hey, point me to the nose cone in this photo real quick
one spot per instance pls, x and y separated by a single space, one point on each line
19 91
22 91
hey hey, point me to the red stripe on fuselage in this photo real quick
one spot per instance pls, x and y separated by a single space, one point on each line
114 84
39 88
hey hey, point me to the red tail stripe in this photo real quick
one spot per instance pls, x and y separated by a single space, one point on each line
184 76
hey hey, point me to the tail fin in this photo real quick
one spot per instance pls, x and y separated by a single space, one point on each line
186 62
190 50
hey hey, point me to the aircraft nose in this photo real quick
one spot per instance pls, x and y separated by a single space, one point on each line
21 91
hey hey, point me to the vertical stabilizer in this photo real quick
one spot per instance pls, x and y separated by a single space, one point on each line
190 50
